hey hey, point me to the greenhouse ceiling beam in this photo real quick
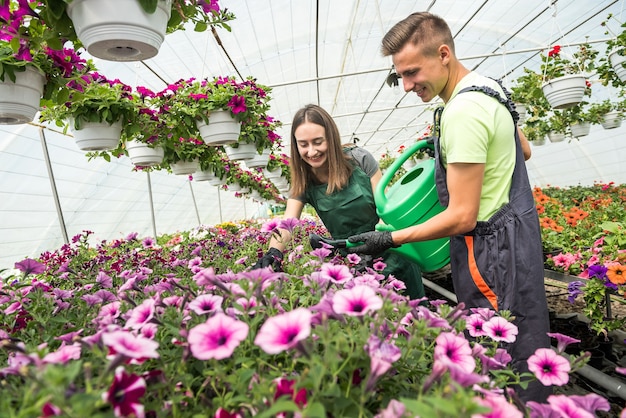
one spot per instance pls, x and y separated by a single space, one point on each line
386 69
53 185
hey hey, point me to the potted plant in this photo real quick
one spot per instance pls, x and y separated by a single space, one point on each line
611 69
33 63
101 28
557 126
536 128
96 110
579 119
564 80
606 113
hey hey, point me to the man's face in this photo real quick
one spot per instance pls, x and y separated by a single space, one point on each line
427 76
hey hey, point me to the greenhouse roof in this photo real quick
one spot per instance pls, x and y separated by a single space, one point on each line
320 52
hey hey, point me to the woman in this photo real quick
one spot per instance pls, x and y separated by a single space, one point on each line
338 181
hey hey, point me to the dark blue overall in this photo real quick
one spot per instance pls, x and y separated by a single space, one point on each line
499 265
351 211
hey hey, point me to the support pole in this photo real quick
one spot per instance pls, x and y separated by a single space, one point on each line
154 230
195 204
53 186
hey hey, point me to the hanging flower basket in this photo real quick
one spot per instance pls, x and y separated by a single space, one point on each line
185 167
119 30
240 151
259 160
617 62
272 174
565 91
141 154
580 129
539 142
234 187
222 129
521 111
612 120
556 136
19 100
97 136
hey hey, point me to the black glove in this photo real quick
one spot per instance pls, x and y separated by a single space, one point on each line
373 242
273 257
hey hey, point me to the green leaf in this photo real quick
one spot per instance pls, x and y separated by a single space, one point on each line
149 5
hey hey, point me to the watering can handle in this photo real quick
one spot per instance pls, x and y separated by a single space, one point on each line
379 193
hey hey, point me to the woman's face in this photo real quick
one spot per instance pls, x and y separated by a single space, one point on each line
312 144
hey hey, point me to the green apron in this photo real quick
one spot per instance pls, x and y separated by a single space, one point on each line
352 211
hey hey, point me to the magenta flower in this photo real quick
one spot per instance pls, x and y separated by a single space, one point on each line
356 301
129 345
453 349
549 367
284 331
141 314
286 387
64 354
204 304
237 104
30 266
394 409
566 407
382 356
217 338
209 6
379 265
222 413
499 329
50 410
500 408
336 273
562 341
474 324
124 394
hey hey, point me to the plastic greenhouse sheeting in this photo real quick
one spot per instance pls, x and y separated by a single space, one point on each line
325 52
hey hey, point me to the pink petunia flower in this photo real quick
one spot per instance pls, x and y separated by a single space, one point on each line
284 331
549 367
500 408
453 349
217 338
129 345
474 324
336 273
356 301
141 314
204 304
64 354
125 393
499 329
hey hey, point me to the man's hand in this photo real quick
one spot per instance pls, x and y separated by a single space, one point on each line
373 242
273 257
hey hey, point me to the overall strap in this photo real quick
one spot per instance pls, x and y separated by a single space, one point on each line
491 92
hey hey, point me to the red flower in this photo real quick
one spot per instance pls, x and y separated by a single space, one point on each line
555 51
124 394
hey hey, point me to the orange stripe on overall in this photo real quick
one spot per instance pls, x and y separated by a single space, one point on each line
476 276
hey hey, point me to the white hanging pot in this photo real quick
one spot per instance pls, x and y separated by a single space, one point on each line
616 61
119 30
97 136
565 91
222 129
234 187
556 136
259 160
539 142
521 111
272 174
19 100
202 175
185 167
142 155
242 151
612 120
580 129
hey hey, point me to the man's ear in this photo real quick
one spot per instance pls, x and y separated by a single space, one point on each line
445 54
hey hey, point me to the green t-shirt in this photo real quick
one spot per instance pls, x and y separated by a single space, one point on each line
476 128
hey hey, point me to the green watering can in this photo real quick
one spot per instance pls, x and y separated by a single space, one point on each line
410 201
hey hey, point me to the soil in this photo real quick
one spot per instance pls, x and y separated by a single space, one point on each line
563 315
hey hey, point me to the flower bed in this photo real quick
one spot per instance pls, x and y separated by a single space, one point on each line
584 235
181 327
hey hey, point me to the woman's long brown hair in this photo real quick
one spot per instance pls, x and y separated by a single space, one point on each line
339 167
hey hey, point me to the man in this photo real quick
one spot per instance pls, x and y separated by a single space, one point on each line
490 216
